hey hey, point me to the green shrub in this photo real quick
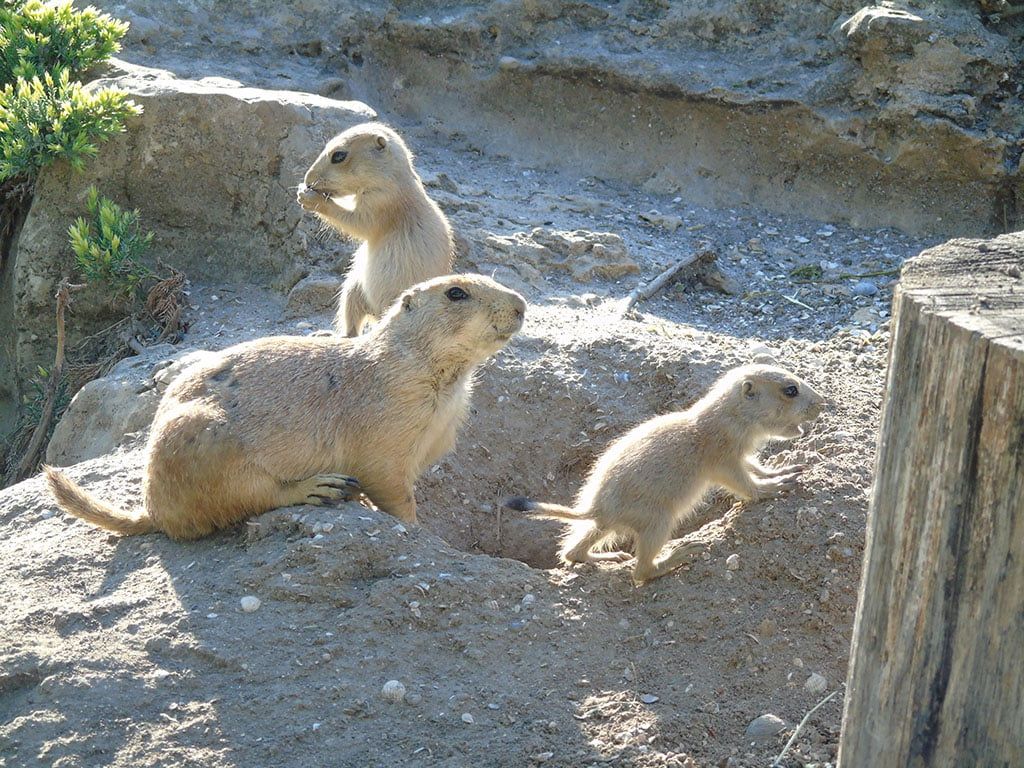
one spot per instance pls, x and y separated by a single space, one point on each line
47 118
108 245
38 37
45 114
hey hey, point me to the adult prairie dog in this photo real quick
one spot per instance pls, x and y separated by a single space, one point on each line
293 420
650 479
406 238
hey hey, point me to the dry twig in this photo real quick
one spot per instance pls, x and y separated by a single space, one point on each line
645 291
778 760
36 444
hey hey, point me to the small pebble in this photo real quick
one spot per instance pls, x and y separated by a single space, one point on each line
393 690
648 698
865 288
250 603
764 727
732 562
467 718
816 683
413 698
542 757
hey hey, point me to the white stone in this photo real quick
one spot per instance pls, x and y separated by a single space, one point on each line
393 690
816 683
250 603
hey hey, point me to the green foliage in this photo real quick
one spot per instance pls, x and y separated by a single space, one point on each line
38 37
45 114
108 245
47 118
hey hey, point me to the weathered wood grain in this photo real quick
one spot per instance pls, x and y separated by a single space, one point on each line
937 660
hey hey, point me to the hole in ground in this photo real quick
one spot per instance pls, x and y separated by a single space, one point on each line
540 418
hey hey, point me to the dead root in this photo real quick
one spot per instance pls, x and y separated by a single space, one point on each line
159 320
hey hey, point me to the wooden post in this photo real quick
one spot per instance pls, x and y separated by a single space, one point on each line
937 661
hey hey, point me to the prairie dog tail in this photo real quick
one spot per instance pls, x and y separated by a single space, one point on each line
541 510
75 501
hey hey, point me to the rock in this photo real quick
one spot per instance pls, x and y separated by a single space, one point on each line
732 562
671 223
223 225
98 417
250 603
313 295
335 88
764 727
761 351
864 316
439 180
816 683
106 412
714 275
649 698
467 718
864 288
393 690
585 255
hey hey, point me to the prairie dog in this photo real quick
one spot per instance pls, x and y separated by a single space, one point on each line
293 420
650 479
406 238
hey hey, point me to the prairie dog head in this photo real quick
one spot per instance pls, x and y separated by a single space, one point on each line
775 400
461 316
366 158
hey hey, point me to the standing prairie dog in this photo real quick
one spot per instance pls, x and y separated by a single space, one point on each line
406 238
293 420
650 479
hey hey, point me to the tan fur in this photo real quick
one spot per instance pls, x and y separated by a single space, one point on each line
651 478
286 420
406 238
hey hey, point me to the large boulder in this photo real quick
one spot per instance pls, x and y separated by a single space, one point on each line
212 167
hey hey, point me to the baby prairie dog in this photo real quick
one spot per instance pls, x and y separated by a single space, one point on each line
406 238
650 479
294 420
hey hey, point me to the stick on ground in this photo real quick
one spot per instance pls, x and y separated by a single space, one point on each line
645 291
778 760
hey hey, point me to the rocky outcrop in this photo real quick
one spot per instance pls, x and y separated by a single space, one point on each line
880 114
584 255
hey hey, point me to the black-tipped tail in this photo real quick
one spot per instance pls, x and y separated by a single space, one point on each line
519 503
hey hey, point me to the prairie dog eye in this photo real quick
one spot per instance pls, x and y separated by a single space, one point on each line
338 156
791 391
456 294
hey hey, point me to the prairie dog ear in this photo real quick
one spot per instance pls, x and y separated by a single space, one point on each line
407 301
382 141
748 388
